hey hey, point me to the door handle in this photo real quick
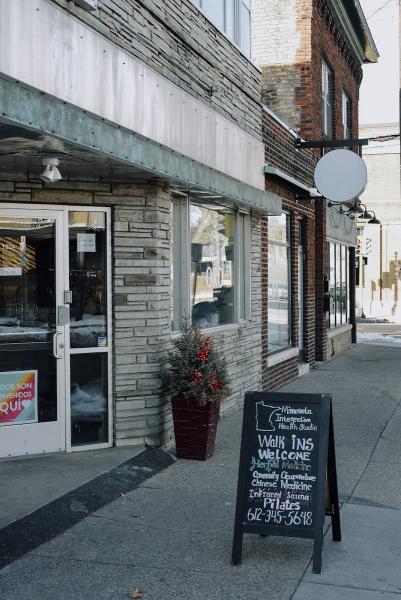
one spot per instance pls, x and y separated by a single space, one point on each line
56 334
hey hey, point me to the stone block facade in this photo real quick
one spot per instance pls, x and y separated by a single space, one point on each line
175 39
142 299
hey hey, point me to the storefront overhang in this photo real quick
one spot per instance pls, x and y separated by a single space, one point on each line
54 125
270 170
78 85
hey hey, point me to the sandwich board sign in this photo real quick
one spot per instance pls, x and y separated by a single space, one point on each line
287 474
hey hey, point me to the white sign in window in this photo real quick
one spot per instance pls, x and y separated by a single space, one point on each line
86 242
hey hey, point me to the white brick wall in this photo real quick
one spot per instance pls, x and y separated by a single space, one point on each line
275 34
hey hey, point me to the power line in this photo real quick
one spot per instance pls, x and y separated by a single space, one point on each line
386 4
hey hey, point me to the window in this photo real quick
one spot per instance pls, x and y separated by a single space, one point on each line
327 100
278 301
346 111
232 17
212 266
245 26
338 286
211 263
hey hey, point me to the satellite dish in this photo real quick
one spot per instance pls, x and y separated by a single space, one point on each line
341 175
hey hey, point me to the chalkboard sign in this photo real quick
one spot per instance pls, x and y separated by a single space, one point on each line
287 450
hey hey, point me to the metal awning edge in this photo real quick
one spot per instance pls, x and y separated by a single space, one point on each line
270 170
37 111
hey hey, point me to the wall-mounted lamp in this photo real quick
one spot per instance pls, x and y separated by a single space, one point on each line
50 174
356 209
373 220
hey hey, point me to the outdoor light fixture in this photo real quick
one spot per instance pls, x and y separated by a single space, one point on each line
356 209
373 220
365 215
51 174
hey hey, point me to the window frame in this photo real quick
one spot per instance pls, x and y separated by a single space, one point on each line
327 100
346 108
288 245
341 257
181 258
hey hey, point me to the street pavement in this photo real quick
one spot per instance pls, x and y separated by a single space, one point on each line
379 333
170 538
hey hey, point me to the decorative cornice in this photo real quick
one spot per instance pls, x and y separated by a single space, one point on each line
366 52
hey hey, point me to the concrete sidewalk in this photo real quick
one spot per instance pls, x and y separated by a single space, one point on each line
171 537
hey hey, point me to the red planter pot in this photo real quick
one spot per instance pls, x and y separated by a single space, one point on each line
194 428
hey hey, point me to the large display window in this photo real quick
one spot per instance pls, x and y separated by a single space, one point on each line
338 284
279 283
210 263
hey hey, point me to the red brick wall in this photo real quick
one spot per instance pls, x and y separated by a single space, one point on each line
293 90
300 211
280 151
328 42
321 269
281 374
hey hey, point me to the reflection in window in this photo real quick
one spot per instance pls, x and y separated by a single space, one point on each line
327 100
27 279
214 9
332 286
28 307
278 283
346 114
338 285
339 288
89 406
88 269
245 26
232 17
344 286
212 265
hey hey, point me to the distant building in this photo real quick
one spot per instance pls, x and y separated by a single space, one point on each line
379 246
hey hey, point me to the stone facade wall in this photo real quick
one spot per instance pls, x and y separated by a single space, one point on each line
141 255
337 342
142 301
174 38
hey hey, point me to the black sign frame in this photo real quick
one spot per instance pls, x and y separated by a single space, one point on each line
326 472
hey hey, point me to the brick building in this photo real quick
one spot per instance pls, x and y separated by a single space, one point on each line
310 53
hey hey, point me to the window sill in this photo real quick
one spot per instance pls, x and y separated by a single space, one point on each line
338 330
279 357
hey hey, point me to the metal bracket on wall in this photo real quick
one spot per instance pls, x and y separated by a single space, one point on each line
299 143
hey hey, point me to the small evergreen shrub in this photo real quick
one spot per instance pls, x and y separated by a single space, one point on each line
196 370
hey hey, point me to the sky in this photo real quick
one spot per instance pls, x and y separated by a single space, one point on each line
380 87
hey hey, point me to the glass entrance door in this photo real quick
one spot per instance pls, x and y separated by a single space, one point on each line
32 332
